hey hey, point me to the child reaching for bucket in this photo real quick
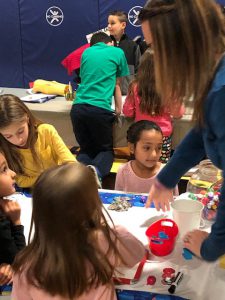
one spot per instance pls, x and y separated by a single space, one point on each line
145 140
30 147
76 258
143 103
12 239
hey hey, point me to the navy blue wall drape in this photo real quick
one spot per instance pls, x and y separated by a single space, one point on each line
11 69
37 35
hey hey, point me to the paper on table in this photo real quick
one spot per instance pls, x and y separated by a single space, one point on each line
37 98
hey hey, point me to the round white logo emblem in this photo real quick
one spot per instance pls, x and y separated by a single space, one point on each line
54 16
133 16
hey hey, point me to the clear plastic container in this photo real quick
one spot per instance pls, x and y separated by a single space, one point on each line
204 178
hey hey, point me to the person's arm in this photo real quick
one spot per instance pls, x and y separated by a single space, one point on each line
6 273
188 154
11 231
24 181
212 246
61 151
118 97
18 235
130 248
119 184
12 210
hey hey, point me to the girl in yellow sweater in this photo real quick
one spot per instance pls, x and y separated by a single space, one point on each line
29 145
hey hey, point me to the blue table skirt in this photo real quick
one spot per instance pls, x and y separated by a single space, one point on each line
106 197
138 295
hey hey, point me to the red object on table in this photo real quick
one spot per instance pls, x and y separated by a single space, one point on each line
151 280
162 246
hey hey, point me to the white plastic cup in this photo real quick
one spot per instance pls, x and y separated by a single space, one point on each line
187 214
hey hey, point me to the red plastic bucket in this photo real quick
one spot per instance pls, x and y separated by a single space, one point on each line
162 236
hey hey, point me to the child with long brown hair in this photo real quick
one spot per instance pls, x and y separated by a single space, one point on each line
29 145
188 38
144 103
74 252
12 239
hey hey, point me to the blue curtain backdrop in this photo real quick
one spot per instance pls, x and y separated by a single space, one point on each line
11 70
37 35
131 7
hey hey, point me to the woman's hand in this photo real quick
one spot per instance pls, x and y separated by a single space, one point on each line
160 195
12 210
6 273
193 241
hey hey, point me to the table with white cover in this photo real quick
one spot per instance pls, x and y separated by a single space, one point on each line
201 281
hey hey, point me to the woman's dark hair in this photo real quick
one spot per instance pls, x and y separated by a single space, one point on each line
122 16
135 130
65 256
100 37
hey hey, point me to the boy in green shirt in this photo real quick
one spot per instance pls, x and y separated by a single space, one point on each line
91 114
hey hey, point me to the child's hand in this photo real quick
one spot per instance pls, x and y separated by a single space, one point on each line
193 241
160 195
6 273
118 111
12 210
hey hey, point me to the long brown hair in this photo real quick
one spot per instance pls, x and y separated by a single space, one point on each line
12 109
150 101
67 218
188 39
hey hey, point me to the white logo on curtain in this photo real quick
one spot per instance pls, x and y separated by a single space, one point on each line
54 16
133 16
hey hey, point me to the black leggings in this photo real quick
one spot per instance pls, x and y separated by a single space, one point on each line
93 129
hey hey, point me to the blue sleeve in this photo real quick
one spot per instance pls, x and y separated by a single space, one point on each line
123 69
188 154
214 246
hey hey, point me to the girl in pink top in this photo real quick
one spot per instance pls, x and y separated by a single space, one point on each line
145 140
73 253
143 103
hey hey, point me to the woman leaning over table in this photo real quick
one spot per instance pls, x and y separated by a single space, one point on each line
187 38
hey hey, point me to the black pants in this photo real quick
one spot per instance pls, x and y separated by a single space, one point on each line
93 129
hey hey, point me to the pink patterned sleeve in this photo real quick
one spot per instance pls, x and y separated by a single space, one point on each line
131 249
